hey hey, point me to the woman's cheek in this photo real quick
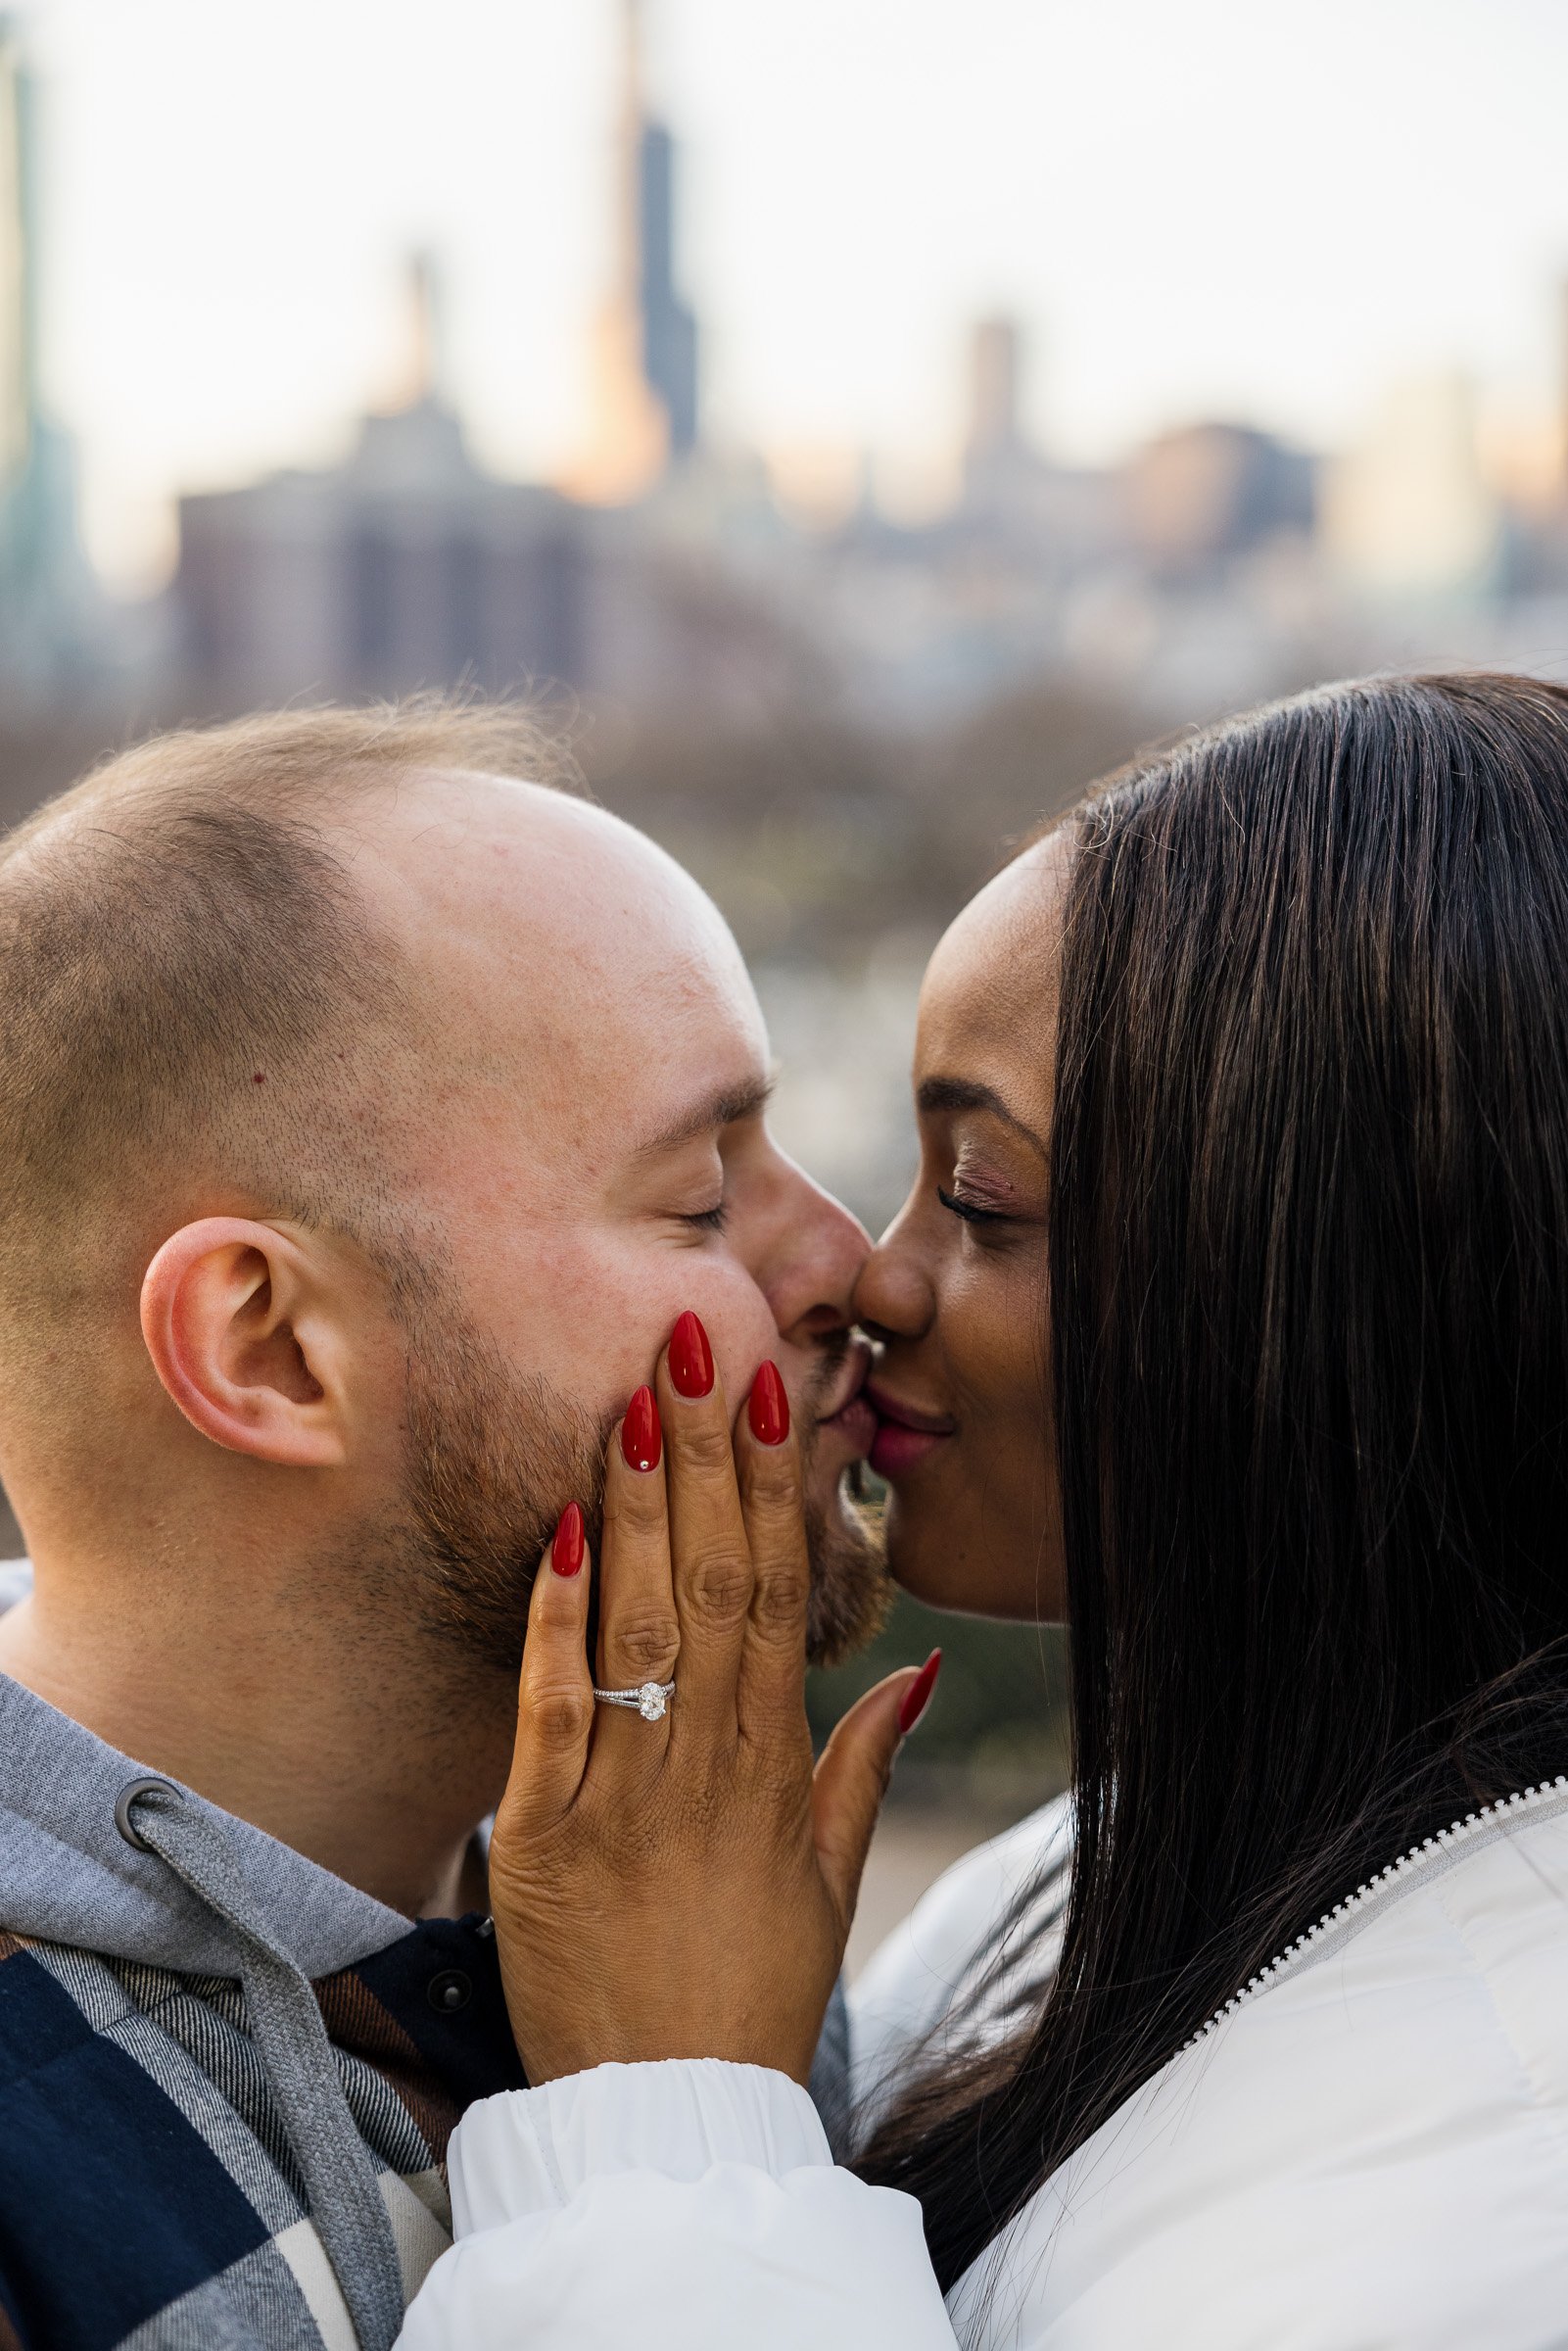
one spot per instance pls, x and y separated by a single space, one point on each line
980 1317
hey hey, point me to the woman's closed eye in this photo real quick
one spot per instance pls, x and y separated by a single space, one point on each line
972 1210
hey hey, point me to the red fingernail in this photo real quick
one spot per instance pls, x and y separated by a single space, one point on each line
691 1358
916 1698
641 1437
768 1407
566 1551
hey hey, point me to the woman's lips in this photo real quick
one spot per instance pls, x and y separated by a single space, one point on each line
905 1437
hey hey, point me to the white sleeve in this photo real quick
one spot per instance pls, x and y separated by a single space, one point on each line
686 2206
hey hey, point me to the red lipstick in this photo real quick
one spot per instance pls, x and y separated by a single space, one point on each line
905 1435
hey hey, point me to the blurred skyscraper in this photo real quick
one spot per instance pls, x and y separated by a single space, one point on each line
994 446
1409 515
50 611
18 265
646 382
669 324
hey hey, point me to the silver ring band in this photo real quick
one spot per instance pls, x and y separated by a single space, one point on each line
650 1700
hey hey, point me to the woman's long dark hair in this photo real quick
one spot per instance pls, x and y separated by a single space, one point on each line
1308 1313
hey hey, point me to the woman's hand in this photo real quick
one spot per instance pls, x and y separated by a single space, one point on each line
682 1886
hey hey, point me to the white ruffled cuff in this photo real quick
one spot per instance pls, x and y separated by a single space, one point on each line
527 2151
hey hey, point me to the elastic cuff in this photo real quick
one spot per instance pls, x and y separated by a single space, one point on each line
525 2151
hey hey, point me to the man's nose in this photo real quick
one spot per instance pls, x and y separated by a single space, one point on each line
816 1258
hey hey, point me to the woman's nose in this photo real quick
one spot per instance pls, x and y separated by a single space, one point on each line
893 1295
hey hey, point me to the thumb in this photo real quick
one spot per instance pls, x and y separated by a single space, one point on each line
851 1779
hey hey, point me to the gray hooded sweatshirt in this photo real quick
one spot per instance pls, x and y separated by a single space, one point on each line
227 2079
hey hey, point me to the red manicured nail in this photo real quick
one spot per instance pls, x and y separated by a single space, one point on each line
566 1551
768 1407
691 1356
641 1437
916 1698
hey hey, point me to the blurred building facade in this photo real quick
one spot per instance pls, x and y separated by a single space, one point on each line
1205 492
408 566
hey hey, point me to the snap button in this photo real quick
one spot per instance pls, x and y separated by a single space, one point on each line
449 1992
129 1796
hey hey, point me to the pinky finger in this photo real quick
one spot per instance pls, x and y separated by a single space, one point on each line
555 1692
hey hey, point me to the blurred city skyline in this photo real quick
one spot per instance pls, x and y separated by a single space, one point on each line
1208 213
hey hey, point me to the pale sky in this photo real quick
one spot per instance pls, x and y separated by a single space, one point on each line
1230 207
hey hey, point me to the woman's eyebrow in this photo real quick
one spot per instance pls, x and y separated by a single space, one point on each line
963 1093
720 1108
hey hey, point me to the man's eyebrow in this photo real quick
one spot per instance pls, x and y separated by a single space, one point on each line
962 1093
722 1108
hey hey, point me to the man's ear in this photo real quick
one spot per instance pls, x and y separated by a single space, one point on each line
244 1325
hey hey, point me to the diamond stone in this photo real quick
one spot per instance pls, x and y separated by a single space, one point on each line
651 1701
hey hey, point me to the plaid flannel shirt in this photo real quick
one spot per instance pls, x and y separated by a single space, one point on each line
148 2196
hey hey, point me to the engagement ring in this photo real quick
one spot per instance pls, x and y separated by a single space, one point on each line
650 1699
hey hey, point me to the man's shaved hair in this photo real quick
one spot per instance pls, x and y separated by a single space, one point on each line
192 988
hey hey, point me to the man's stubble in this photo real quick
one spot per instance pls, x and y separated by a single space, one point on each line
494 1456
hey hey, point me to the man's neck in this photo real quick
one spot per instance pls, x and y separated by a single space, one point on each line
374 1757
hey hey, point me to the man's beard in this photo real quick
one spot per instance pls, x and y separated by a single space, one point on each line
494 1457
851 1590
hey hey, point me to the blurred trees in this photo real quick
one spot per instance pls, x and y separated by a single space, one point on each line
994 1737
817 836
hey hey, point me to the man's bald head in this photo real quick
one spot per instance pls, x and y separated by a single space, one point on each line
368 1109
196 992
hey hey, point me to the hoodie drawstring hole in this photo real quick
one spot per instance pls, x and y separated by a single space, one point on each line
128 1797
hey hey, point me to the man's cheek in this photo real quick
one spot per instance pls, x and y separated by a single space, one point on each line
743 1338
730 1307
603 1317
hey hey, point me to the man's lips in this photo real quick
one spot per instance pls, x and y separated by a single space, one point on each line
905 1436
851 1419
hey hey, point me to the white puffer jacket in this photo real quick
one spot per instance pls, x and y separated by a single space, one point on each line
1370 2152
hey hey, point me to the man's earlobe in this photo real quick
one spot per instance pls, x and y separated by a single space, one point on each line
242 1333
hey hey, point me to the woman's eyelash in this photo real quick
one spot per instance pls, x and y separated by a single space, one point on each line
707 1220
968 1211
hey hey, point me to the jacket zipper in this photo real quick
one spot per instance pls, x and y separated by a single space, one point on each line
1511 1807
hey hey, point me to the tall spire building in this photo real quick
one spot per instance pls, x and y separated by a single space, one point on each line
646 337
669 324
